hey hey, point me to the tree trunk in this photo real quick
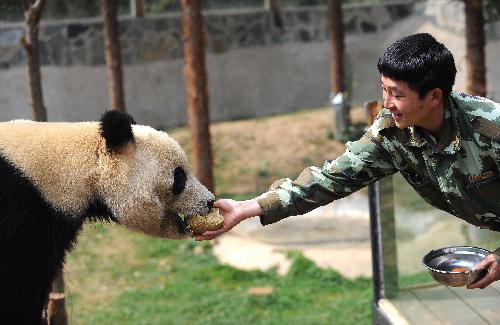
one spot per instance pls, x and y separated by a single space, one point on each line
56 310
56 307
275 7
137 8
475 43
109 9
338 95
336 38
196 91
32 14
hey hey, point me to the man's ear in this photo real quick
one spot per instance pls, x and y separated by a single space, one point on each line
435 96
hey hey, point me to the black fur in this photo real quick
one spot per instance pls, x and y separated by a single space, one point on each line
34 238
180 179
116 129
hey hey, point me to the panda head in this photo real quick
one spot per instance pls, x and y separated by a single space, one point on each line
145 179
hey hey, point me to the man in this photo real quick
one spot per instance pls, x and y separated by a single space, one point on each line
445 144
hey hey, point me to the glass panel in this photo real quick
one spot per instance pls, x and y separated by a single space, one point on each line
420 228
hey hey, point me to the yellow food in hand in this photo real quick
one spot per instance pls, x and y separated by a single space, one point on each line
211 221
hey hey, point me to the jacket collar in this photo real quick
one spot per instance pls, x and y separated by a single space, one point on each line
449 143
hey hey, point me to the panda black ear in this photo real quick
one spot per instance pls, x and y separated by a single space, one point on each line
116 129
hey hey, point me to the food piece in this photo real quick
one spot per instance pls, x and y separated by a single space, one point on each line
211 221
460 269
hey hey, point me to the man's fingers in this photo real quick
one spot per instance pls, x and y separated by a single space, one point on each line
201 237
484 263
223 204
211 234
482 283
215 232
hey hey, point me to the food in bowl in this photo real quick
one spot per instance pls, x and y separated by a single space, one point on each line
454 266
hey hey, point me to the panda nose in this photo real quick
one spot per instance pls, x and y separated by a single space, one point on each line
210 204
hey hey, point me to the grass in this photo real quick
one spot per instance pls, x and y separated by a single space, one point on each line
156 281
115 276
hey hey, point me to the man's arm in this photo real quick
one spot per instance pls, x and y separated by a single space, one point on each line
364 161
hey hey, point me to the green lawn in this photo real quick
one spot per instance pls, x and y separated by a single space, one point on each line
156 281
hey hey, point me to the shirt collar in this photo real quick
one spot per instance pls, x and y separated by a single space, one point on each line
449 143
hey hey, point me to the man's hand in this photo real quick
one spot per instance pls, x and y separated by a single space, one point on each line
492 262
233 212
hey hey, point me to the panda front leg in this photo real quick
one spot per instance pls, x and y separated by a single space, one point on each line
34 239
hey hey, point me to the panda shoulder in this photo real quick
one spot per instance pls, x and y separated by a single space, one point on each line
482 114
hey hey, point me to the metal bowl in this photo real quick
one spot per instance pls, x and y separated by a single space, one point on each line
441 262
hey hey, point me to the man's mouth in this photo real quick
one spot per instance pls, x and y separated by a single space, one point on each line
396 116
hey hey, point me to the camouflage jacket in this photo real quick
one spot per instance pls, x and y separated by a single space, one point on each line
458 174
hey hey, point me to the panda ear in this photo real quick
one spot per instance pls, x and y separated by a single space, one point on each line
116 129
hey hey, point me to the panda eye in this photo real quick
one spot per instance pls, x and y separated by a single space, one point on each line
179 181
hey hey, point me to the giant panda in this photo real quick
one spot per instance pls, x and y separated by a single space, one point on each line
54 177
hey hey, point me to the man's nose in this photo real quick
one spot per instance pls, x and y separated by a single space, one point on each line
387 101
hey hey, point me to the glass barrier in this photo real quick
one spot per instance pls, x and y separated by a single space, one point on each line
420 228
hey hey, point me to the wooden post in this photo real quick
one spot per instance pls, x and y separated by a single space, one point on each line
196 91
56 310
372 108
475 43
116 96
336 42
338 96
275 7
57 302
137 8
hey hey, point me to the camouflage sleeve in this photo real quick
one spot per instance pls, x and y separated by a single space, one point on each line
363 162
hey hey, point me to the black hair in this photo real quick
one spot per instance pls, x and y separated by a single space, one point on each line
421 61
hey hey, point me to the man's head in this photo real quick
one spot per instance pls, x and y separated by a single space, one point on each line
416 73
421 61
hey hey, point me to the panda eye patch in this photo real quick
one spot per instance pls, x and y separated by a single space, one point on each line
179 181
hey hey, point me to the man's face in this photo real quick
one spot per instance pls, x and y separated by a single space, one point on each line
405 105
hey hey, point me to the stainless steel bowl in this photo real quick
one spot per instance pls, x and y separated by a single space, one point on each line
441 262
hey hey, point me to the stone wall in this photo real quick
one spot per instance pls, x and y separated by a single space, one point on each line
254 68
158 37
450 15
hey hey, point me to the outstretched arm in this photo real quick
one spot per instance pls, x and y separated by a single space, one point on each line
363 162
